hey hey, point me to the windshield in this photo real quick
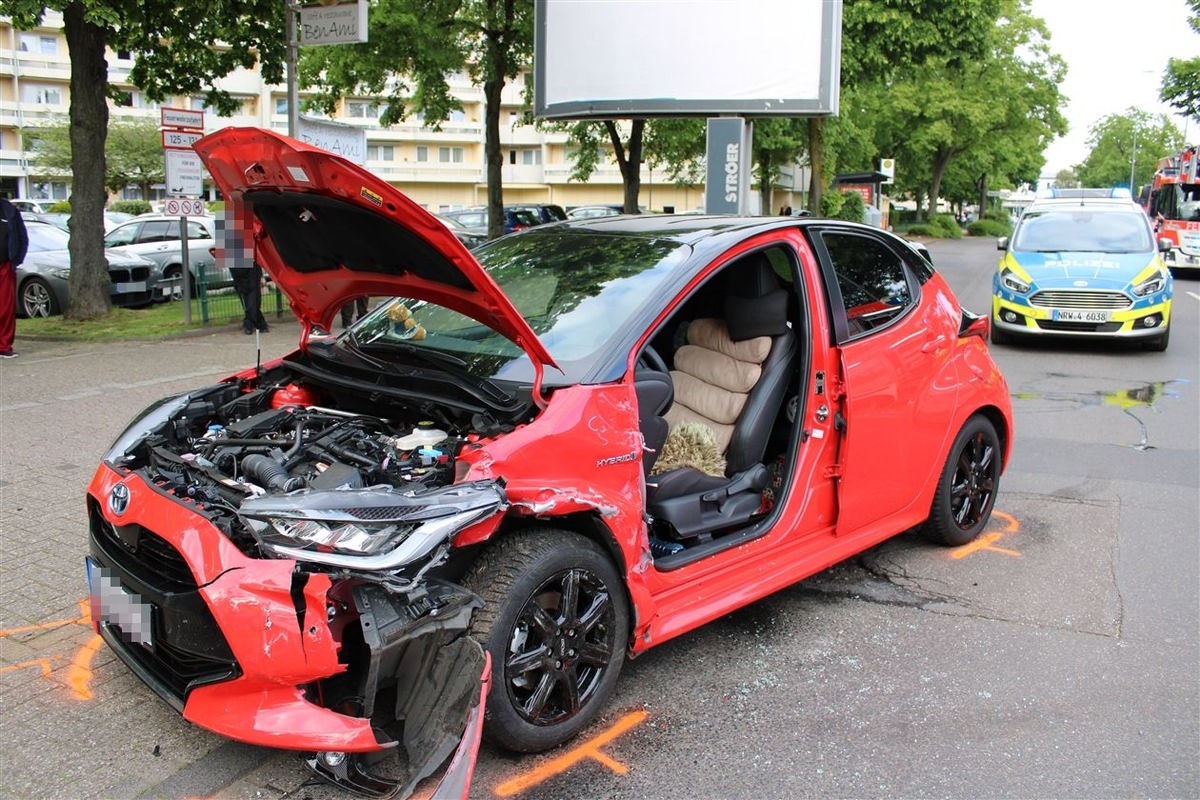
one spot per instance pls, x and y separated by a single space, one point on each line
1178 201
576 290
1083 229
46 237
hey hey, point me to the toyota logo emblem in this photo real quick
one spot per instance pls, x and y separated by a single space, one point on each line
118 499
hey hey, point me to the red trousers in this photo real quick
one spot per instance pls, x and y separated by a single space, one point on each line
8 306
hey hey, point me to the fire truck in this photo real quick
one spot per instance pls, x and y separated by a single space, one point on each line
1174 205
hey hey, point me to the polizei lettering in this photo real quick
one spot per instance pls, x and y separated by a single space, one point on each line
732 165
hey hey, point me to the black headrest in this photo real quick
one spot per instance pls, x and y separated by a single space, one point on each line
755 304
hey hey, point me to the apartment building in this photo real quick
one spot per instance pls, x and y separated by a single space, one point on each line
440 169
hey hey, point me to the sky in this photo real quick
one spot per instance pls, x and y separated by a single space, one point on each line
1115 51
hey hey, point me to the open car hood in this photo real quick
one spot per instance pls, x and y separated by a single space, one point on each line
327 231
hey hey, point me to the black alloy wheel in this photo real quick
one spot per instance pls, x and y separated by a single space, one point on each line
966 490
556 625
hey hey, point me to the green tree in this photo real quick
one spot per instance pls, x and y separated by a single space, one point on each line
1132 141
1066 178
1002 108
586 139
883 40
173 43
133 153
415 45
1181 79
676 144
778 141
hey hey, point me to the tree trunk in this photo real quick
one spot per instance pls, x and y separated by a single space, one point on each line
629 161
816 161
765 196
982 184
940 164
492 154
88 286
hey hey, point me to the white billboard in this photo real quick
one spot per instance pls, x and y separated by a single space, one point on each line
617 58
347 141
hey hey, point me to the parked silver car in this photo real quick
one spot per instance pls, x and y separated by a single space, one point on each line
156 237
42 278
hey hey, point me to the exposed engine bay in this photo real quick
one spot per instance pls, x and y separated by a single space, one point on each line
287 468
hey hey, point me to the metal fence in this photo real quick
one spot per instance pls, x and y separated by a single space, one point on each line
221 305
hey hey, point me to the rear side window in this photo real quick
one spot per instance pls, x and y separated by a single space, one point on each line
160 231
873 285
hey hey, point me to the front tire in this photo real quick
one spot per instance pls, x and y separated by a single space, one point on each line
998 336
37 299
966 490
556 622
1159 343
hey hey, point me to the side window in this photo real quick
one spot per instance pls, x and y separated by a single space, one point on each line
122 235
875 287
160 231
197 231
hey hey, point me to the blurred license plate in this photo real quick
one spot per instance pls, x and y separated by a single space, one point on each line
113 604
1071 315
125 288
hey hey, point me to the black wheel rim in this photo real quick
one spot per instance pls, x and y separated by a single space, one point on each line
974 485
560 647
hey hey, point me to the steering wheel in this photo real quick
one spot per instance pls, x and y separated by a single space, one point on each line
652 359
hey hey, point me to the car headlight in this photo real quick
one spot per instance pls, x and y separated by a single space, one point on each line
378 528
61 274
1010 281
1152 285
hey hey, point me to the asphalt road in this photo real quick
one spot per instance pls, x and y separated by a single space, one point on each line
1061 658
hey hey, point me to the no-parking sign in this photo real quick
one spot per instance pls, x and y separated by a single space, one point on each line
183 207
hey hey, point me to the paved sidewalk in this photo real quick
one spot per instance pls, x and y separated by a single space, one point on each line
77 723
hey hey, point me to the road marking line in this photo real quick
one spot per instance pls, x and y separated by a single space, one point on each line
589 749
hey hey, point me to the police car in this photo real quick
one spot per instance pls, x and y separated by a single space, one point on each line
1082 263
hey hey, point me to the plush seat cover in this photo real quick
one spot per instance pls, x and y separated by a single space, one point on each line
713 377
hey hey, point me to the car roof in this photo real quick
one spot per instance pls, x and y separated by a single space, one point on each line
1090 203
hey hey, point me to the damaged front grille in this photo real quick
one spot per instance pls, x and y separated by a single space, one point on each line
188 649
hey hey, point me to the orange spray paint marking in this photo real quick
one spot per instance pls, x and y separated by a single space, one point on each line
984 542
79 673
589 749
988 540
84 618
44 663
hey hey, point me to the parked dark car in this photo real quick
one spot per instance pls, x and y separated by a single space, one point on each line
156 237
468 236
545 212
476 219
540 457
42 278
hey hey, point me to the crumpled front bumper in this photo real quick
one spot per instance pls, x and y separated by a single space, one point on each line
262 652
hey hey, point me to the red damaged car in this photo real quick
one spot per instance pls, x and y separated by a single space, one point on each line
537 460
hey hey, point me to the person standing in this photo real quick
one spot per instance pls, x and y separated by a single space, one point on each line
14 243
247 282
235 248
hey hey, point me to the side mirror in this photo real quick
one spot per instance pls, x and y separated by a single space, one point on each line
1002 243
1165 245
